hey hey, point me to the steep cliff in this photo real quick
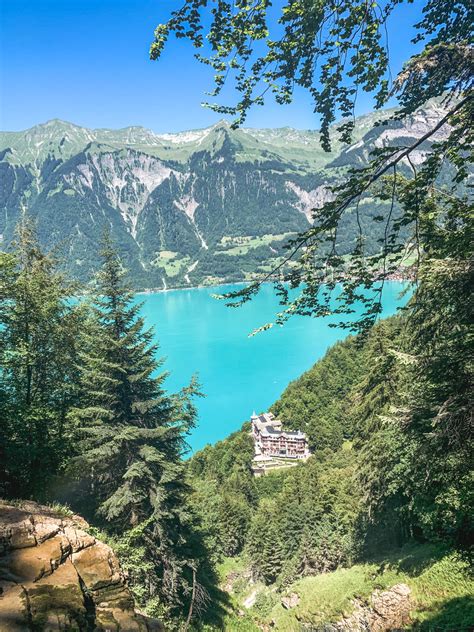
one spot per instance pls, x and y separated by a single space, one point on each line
55 576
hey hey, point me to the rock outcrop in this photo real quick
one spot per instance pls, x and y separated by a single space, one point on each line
290 601
387 611
55 576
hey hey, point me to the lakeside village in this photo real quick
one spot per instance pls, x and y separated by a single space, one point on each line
276 448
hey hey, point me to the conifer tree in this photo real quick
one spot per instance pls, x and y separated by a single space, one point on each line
131 436
417 461
263 542
234 520
37 366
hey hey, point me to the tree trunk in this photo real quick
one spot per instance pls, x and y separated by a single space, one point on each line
191 605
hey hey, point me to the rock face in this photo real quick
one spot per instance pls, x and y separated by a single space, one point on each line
55 576
389 610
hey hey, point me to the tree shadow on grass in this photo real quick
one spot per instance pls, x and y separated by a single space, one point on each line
413 558
455 615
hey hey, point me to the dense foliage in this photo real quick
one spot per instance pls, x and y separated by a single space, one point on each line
85 419
418 461
386 470
130 437
223 484
38 372
406 400
290 522
317 402
307 527
388 413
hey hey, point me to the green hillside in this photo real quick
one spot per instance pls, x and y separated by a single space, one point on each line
194 193
439 582
385 500
380 513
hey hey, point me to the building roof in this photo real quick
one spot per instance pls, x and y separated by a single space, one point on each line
268 426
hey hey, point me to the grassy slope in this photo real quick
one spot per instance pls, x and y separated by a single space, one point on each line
440 583
242 245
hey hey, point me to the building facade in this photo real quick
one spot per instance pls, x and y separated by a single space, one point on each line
271 441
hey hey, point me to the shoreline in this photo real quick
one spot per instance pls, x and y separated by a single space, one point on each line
398 278
208 431
160 290
189 287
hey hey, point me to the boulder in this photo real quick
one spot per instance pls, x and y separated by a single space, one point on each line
386 611
391 608
55 576
290 601
13 610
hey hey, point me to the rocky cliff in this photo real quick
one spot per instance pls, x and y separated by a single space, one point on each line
55 576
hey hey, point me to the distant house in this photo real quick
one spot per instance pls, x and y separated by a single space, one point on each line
273 442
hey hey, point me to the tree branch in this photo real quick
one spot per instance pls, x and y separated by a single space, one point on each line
375 176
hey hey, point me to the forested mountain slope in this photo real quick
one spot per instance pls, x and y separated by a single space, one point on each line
384 502
194 207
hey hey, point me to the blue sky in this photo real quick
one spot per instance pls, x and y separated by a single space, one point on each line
86 61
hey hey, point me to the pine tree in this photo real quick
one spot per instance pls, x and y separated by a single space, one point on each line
234 521
37 366
263 544
131 436
416 458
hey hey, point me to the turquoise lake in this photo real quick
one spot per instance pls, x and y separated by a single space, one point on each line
199 334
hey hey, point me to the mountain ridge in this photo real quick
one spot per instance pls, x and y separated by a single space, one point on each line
125 134
200 206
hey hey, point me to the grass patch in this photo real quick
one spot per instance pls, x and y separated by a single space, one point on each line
327 597
440 583
230 565
62 510
171 262
235 246
233 571
213 280
167 255
443 596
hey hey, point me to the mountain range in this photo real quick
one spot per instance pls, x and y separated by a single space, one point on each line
202 206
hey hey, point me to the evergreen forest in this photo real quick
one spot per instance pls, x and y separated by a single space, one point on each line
86 423
385 501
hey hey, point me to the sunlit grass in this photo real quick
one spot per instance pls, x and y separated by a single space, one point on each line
440 583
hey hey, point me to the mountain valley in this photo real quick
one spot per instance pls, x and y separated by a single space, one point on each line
197 207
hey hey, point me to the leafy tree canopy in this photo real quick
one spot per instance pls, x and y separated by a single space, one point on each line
335 50
38 353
